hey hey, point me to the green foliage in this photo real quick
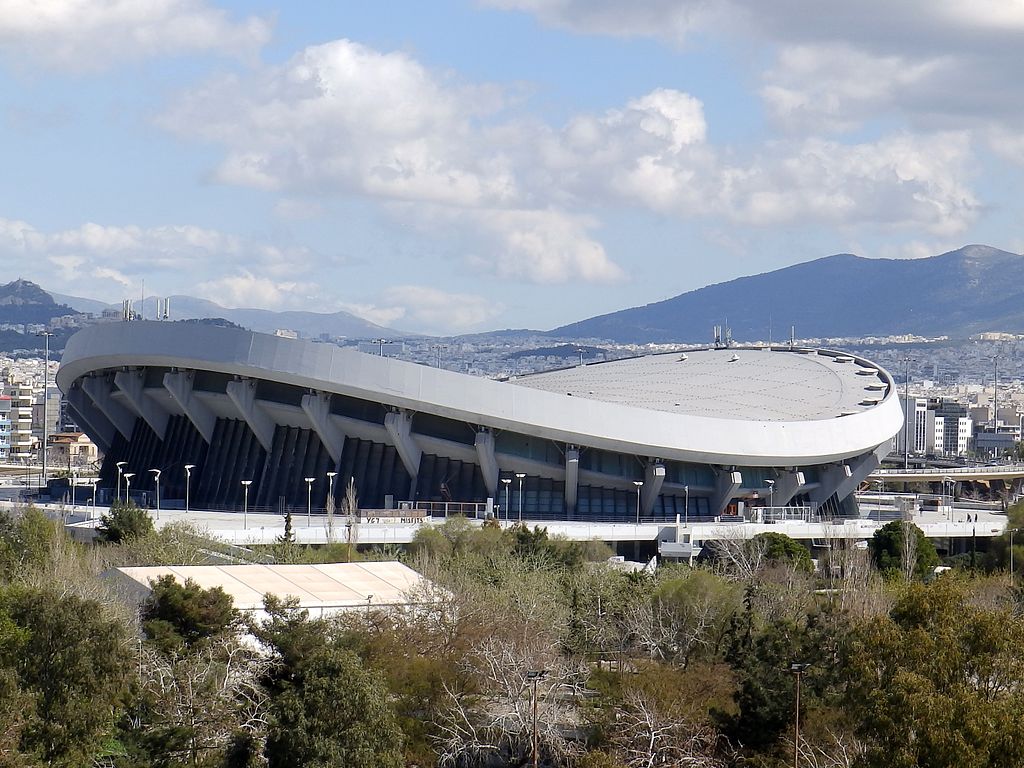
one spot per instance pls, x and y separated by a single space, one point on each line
780 548
67 666
123 523
328 708
177 616
25 541
888 546
938 681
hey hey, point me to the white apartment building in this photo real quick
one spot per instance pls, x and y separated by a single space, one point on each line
23 443
935 427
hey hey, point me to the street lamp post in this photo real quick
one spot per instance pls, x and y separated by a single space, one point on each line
381 343
74 482
309 500
46 385
330 484
639 484
506 481
188 482
520 475
156 479
686 506
1011 532
245 504
95 481
771 495
120 472
950 484
906 415
797 670
128 486
534 676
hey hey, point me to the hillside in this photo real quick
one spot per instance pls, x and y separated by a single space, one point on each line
23 301
975 288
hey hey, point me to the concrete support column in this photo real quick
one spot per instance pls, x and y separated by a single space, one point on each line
317 407
243 395
484 443
727 482
399 427
788 484
654 478
842 479
98 390
572 480
180 386
133 385
99 427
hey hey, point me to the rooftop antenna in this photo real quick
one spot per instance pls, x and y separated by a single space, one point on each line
167 308
142 306
717 331
792 336
728 336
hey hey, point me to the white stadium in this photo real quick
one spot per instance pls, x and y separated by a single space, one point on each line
704 434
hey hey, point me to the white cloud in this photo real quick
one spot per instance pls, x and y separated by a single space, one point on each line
78 35
245 289
669 19
429 310
102 261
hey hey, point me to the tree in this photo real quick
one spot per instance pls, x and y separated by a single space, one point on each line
938 682
890 549
25 541
780 548
72 664
327 708
123 523
179 615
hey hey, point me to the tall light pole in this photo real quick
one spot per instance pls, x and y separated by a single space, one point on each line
771 494
46 386
245 504
906 414
995 394
156 479
1011 532
95 481
381 343
534 676
797 670
309 500
74 482
330 484
506 481
128 487
686 506
120 472
188 482
948 482
639 484
520 475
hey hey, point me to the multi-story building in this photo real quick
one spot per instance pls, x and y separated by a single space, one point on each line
915 426
23 443
951 428
5 427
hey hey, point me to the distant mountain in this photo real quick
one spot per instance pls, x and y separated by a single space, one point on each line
972 289
263 320
22 301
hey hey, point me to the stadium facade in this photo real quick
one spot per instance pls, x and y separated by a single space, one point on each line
695 433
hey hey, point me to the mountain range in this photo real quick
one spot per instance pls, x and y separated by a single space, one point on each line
975 288
972 289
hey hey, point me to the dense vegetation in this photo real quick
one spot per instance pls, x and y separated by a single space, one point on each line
682 666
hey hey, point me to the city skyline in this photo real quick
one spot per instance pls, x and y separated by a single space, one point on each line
509 163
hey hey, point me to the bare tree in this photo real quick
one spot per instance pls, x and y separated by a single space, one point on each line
351 509
738 554
492 717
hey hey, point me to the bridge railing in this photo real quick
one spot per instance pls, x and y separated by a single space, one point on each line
991 469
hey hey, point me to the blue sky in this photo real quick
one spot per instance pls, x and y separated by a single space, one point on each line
459 166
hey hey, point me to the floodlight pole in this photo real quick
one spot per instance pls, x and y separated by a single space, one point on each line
120 473
506 481
156 478
188 481
639 484
245 504
906 415
46 385
309 501
520 475
686 507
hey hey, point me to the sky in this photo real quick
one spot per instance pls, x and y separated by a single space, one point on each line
450 167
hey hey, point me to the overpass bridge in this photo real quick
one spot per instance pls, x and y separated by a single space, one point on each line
938 474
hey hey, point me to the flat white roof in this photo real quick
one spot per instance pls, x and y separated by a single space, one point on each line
742 384
326 586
